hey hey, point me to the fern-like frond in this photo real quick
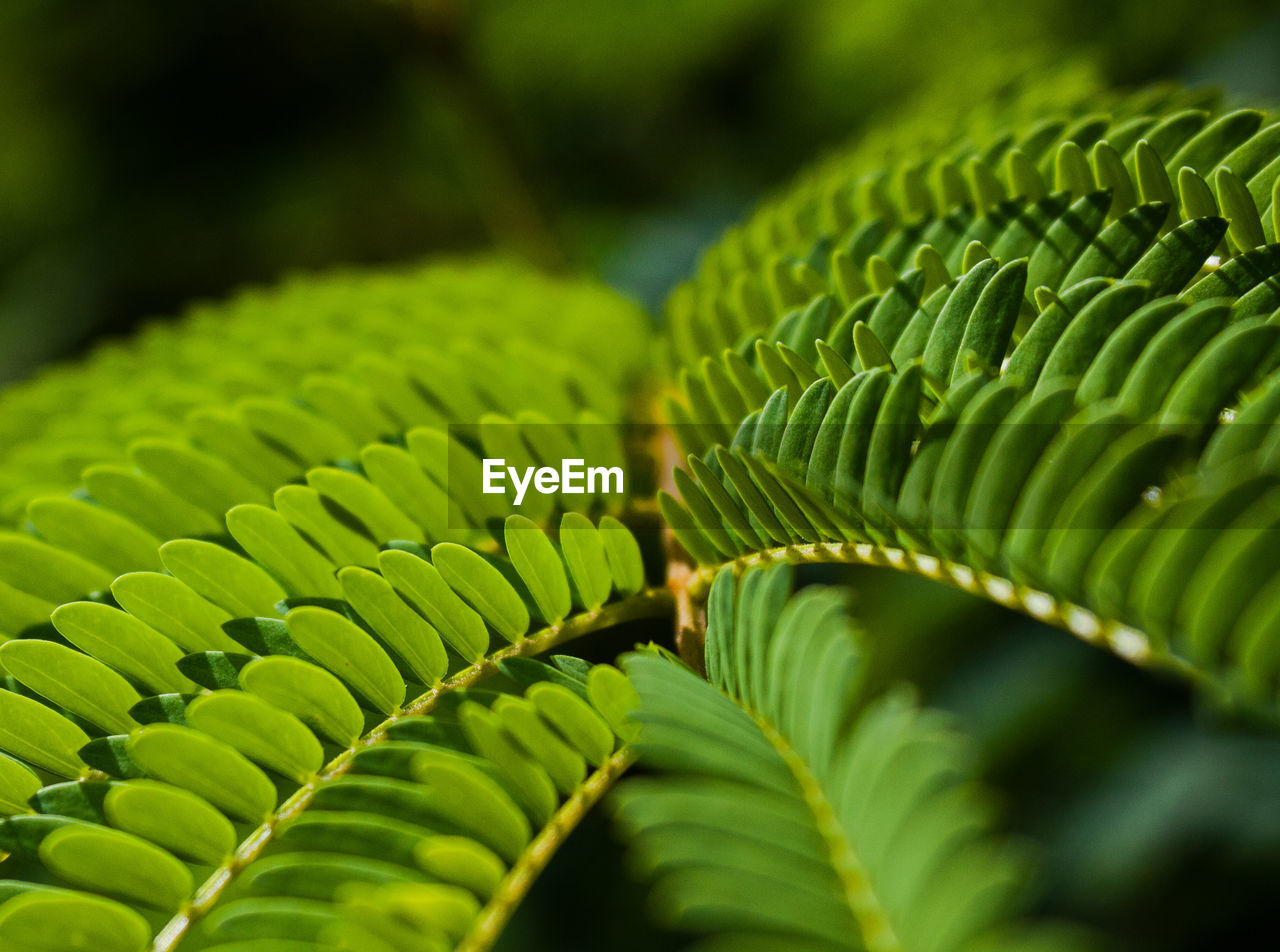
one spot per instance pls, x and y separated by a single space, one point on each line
1000 178
278 380
214 634
421 835
1029 428
790 813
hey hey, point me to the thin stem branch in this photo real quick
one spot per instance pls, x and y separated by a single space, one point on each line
1128 643
494 916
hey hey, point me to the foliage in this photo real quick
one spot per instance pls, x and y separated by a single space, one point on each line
844 811
268 650
1045 426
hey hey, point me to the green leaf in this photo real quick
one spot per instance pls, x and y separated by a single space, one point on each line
123 642
47 571
582 727
475 804
202 480
171 607
623 553
118 864
420 583
350 653
402 480
366 502
795 822
526 780
535 558
307 691
520 720
356 833
173 818
398 625
483 587
74 681
258 729
268 538
34 733
463 862
344 542
17 784
318 876
584 553
95 534
612 694
207 767
1245 230
309 437
224 578
146 502
85 923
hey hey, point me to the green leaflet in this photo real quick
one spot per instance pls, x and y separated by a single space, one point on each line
308 692
575 720
584 554
519 720
342 542
86 923
308 437
463 862
398 625
366 502
38 735
540 567
146 502
269 538
484 733
348 651
122 641
80 684
258 729
420 583
209 768
46 571
94 534
614 697
172 608
203 480
483 587
474 803
173 818
224 578
117 863
17 784
402 480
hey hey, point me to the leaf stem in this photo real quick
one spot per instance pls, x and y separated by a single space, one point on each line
649 603
494 916
873 920
1129 643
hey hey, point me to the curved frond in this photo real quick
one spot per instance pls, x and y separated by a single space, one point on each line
791 813
278 380
1030 428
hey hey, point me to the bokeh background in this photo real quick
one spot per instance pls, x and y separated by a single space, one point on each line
155 153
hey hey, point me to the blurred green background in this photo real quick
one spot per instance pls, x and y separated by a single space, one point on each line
153 153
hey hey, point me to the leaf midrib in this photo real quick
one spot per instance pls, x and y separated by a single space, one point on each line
873 921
